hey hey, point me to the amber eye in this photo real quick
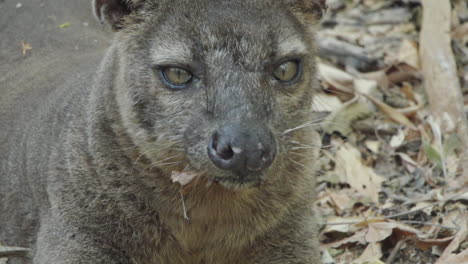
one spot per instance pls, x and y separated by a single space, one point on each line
176 77
287 72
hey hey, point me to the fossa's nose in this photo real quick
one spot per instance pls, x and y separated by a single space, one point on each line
242 148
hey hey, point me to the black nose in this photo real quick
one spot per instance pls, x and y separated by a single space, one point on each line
250 148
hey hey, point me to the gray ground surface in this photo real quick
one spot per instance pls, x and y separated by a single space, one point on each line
58 55
37 22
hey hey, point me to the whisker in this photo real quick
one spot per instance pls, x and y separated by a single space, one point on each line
138 158
158 163
299 154
302 165
312 123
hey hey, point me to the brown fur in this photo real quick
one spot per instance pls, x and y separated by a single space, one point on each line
98 157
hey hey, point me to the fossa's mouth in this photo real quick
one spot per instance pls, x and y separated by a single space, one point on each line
231 182
240 181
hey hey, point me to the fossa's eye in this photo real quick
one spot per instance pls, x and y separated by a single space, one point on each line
176 78
288 71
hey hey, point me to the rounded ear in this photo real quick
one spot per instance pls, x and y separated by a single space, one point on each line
308 11
112 11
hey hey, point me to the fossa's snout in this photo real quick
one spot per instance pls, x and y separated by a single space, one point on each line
242 148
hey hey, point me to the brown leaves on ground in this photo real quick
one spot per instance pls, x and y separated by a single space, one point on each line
391 188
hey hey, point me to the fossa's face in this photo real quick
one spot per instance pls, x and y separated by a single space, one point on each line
218 88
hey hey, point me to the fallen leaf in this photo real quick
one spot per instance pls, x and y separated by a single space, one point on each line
327 258
65 25
461 258
359 177
342 224
336 77
398 139
340 201
408 90
363 86
25 47
183 177
402 72
426 244
342 120
433 155
358 237
409 53
461 32
371 255
391 112
379 76
461 236
373 145
326 103
379 231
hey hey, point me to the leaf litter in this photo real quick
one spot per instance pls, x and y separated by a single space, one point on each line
391 187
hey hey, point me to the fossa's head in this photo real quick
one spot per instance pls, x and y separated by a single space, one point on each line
217 87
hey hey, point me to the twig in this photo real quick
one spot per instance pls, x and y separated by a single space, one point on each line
395 250
402 214
425 207
9 252
428 224
183 207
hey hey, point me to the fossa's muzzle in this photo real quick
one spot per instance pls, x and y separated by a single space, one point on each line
242 148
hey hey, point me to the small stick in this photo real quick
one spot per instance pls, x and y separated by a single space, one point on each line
395 251
183 207
425 207
9 252
404 213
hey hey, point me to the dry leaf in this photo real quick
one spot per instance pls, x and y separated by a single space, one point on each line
326 103
461 236
398 139
426 244
183 178
342 224
391 113
65 25
402 72
25 48
408 91
379 76
327 258
409 53
358 237
373 145
371 255
352 171
461 258
336 77
343 119
379 231
461 32
363 86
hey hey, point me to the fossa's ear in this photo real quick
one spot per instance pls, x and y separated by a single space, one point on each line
308 11
113 11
